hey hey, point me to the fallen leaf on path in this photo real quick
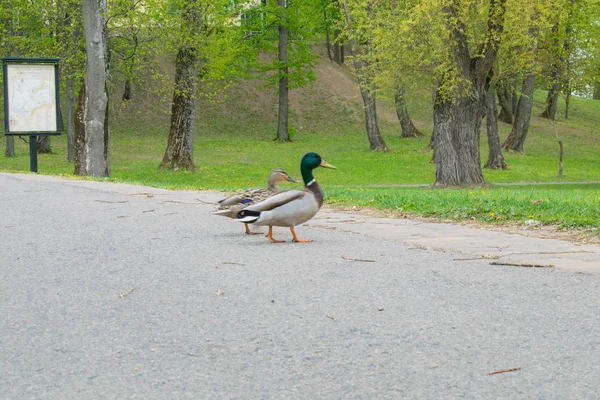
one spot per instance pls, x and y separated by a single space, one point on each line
330 317
219 292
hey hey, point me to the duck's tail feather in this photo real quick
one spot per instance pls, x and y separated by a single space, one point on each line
225 212
248 216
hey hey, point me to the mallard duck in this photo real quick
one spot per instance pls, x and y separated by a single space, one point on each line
289 207
230 206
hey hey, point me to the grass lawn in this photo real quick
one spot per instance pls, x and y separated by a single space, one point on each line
233 150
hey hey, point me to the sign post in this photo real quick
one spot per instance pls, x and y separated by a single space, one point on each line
31 100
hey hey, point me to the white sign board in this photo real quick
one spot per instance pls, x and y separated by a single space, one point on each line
31 97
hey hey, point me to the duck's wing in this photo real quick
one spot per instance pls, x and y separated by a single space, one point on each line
278 200
245 198
231 200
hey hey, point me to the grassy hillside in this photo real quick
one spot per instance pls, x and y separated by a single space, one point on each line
233 150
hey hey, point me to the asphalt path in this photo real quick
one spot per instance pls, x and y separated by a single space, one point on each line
111 291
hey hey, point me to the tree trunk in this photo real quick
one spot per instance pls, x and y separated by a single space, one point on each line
283 108
518 134
336 46
43 145
457 119
70 91
130 62
327 40
376 141
368 96
505 98
554 73
406 124
93 157
596 91
567 102
552 102
7 21
516 139
180 147
457 125
127 90
73 31
495 157
10 146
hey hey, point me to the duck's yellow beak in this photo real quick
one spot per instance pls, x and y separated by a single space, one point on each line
325 164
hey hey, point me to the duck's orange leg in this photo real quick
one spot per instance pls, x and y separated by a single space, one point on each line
249 232
295 238
271 238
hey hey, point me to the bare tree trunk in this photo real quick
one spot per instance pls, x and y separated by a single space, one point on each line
406 125
93 134
552 102
127 90
505 96
457 127
10 140
10 146
336 46
368 96
495 157
327 41
431 145
516 139
130 62
73 31
560 158
457 122
567 103
43 145
180 150
70 91
554 73
283 109
518 134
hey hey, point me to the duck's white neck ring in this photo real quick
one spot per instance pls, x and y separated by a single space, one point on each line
311 182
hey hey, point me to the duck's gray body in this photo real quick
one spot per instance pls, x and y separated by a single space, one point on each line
289 208
232 205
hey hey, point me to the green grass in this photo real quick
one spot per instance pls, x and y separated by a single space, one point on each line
233 151
572 206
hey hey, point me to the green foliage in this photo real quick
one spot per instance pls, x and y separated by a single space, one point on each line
413 40
302 18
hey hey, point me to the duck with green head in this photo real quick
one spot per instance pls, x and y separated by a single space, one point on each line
230 206
290 207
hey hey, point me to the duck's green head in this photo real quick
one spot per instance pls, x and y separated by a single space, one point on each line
309 162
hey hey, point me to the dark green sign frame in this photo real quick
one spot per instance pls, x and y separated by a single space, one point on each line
52 128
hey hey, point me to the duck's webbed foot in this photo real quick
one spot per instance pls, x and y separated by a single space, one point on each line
271 238
249 232
295 238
